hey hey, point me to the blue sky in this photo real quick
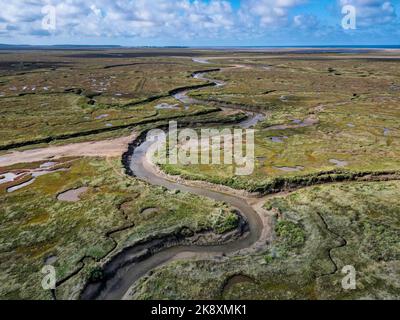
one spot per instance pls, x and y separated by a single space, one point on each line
198 22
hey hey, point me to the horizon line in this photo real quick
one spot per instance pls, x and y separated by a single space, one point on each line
366 46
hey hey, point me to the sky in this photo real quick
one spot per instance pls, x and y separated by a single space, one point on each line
200 22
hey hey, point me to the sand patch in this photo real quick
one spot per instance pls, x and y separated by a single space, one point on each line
106 148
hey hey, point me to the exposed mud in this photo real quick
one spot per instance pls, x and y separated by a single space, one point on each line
105 148
311 121
72 195
339 163
134 262
290 169
149 211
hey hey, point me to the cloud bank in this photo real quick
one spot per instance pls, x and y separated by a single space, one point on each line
182 20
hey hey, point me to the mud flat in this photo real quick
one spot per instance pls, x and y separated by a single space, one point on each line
48 164
290 169
252 120
203 61
163 106
278 139
339 163
295 124
8 177
106 148
102 116
72 195
50 260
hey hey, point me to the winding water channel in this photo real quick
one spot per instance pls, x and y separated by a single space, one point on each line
125 269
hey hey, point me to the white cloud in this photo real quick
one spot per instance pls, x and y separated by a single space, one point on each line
266 13
306 22
141 18
172 19
144 18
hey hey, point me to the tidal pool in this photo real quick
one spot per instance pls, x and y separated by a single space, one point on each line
7 177
32 180
198 60
163 106
290 169
102 116
279 139
48 164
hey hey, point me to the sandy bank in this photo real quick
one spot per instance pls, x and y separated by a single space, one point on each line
106 148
